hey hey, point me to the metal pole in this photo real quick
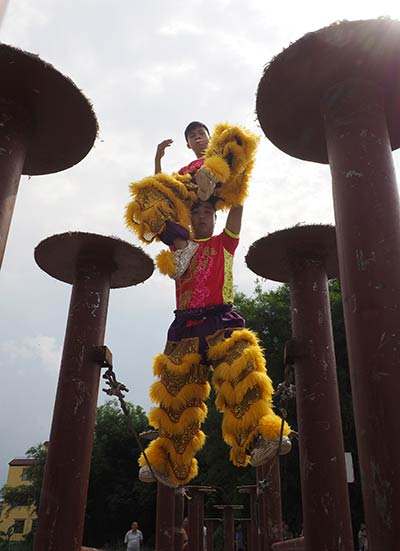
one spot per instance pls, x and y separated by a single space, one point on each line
14 137
229 524
229 529
270 504
179 517
92 264
210 526
253 538
63 498
303 256
368 233
165 518
195 506
326 511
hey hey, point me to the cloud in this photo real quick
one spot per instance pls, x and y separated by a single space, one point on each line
149 68
40 351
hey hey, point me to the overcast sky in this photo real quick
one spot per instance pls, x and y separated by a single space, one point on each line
149 67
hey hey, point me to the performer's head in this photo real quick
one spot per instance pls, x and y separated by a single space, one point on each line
197 137
203 219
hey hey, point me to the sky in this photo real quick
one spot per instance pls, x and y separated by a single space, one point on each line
149 68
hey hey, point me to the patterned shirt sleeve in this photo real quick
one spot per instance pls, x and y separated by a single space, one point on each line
230 240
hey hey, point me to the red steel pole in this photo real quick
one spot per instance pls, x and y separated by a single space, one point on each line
326 510
14 137
63 498
179 517
210 526
92 264
165 518
303 256
270 504
253 539
196 516
229 524
367 217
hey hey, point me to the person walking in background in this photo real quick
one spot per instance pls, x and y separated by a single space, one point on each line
362 538
133 538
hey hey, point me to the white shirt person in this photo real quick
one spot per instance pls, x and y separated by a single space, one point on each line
133 538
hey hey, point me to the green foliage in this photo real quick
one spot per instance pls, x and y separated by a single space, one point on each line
115 496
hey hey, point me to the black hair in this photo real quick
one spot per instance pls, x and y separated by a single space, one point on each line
195 124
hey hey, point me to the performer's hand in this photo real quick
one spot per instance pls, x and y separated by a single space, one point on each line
162 146
160 154
205 185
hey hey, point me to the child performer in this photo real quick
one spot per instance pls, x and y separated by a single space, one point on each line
207 341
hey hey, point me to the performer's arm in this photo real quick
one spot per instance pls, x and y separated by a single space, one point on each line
160 154
234 220
180 243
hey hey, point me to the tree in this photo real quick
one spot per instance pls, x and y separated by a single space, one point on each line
115 495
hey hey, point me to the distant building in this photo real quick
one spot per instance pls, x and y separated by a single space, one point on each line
24 518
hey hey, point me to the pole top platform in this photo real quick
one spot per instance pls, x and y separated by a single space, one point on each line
59 256
63 120
295 81
273 256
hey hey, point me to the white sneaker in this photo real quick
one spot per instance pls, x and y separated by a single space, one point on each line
145 475
150 476
265 450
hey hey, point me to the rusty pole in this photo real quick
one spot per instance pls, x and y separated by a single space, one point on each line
228 512
165 518
270 505
253 539
334 96
367 213
15 133
35 133
93 264
210 527
179 517
303 256
196 515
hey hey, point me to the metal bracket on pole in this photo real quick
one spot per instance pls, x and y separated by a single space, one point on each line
103 357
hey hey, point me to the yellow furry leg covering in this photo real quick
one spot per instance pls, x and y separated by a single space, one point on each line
180 392
244 394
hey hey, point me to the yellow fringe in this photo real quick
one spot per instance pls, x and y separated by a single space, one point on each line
160 395
270 427
163 362
218 167
221 349
252 417
236 147
239 457
160 459
165 262
234 395
155 200
230 372
158 418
